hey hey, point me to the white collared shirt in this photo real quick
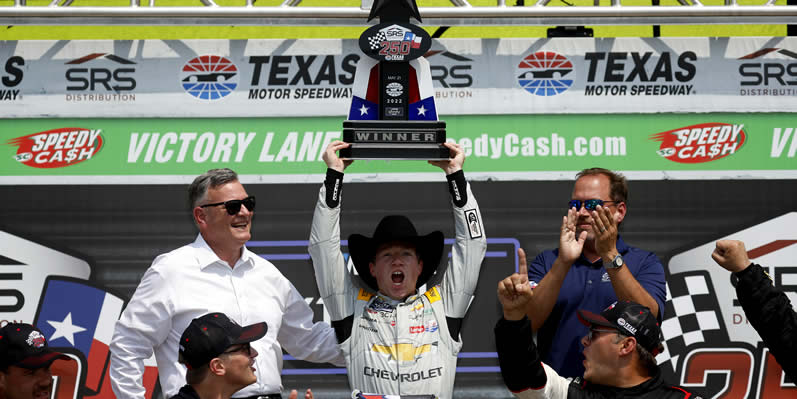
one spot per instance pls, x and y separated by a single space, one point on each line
191 281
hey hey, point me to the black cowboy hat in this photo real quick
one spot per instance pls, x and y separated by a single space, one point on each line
396 228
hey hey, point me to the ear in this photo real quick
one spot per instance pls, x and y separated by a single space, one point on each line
619 215
200 217
628 346
216 367
371 267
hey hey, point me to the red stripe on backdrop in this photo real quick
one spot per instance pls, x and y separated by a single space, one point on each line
769 248
97 357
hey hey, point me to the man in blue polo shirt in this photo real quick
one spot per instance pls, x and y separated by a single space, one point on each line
592 268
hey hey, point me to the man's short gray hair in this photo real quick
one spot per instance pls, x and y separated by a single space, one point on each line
213 178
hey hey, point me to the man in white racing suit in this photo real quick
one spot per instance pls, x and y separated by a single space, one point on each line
397 339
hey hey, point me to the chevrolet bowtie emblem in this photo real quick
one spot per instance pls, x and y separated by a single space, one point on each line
402 352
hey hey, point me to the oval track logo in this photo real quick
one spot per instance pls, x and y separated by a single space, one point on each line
209 77
543 73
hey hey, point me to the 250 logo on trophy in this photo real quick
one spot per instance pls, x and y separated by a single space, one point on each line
395 42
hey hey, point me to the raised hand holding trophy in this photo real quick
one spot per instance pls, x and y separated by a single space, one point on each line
392 114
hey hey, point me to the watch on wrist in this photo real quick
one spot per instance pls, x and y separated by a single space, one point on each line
616 263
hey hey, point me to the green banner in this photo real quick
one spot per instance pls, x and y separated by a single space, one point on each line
512 146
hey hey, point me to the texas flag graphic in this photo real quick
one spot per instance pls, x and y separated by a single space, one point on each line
78 318
365 91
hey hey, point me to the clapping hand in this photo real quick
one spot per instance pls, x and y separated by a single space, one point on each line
570 245
605 229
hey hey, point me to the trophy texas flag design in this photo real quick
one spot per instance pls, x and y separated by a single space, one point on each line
365 93
79 319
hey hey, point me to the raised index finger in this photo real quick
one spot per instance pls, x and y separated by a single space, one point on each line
523 268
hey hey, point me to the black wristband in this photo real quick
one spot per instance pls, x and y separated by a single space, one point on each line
747 273
457 186
334 186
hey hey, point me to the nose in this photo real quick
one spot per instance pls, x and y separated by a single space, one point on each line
252 352
244 211
585 341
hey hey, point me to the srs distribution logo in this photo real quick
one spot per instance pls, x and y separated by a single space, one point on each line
209 77
543 73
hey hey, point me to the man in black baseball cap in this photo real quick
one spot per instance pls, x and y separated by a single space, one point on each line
619 351
218 355
625 320
25 361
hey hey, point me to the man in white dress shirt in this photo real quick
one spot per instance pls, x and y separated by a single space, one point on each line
215 273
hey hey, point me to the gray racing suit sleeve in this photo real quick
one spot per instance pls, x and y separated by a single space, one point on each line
334 281
458 281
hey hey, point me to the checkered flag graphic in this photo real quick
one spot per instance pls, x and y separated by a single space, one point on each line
691 315
375 40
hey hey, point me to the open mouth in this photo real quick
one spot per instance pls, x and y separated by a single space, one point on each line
240 225
397 277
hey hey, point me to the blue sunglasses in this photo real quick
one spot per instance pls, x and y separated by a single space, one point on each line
590 204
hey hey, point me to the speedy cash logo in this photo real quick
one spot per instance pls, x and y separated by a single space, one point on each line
700 143
209 77
543 73
58 148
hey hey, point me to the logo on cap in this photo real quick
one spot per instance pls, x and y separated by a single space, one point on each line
621 321
36 339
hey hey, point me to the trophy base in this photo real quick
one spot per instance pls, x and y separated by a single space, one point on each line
431 152
395 140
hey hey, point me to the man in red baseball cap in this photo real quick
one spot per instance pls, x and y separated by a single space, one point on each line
25 361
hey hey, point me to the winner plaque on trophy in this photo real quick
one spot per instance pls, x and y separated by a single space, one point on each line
393 114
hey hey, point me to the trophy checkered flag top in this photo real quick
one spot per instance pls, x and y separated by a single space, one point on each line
393 113
691 316
375 41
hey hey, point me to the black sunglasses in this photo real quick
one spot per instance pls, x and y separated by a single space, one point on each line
590 204
591 334
246 348
234 206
